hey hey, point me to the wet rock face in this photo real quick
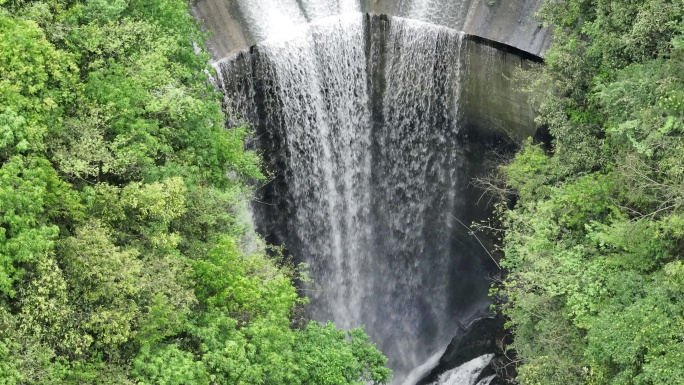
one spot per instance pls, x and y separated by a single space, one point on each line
238 24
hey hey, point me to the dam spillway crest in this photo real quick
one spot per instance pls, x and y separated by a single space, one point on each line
369 125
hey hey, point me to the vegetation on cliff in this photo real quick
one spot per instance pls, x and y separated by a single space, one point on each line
594 239
123 255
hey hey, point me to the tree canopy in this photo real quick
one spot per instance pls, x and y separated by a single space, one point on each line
594 239
124 254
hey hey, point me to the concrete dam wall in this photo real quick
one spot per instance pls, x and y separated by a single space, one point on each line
239 24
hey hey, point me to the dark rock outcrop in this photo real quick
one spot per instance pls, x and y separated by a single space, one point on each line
484 336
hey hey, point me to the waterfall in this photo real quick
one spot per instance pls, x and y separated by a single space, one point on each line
359 117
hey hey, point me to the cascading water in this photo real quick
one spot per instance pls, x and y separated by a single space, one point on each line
321 115
416 168
359 118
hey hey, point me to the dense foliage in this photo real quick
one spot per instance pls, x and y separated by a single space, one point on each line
124 257
594 244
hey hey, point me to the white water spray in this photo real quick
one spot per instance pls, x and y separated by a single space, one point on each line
467 373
